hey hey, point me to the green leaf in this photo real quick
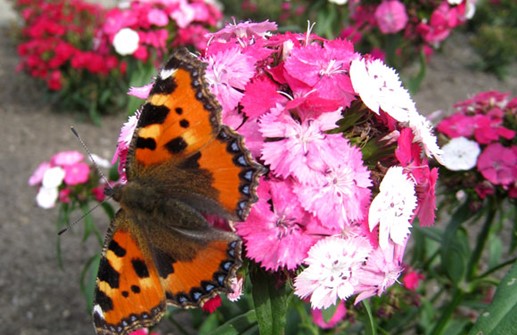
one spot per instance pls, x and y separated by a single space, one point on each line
455 246
242 324
88 279
501 316
369 320
270 302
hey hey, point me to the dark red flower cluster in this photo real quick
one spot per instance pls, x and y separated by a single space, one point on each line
57 41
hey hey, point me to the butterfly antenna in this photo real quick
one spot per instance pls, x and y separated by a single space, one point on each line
68 226
101 174
99 171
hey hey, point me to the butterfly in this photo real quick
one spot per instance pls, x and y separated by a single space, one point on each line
182 164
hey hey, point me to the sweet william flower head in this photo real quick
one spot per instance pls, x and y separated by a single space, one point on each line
379 87
393 208
331 270
53 177
77 173
460 154
391 16
126 41
498 164
47 197
275 233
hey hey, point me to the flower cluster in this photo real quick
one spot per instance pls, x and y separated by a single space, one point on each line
57 41
87 54
146 29
394 30
481 151
346 154
418 25
67 178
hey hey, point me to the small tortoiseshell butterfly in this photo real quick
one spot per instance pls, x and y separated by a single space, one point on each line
182 163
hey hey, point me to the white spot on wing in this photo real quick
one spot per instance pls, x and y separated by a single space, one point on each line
97 309
166 73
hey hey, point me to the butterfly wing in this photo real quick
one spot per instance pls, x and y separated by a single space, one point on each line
179 117
129 293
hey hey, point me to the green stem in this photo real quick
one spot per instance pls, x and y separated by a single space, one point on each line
495 268
457 298
480 243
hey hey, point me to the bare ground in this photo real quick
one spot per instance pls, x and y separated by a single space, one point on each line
36 296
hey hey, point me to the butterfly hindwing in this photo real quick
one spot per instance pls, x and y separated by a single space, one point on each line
234 173
128 293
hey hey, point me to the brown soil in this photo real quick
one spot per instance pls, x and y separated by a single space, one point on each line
36 296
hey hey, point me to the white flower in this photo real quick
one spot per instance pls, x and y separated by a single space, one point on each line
423 131
126 41
338 2
460 154
470 9
53 177
392 209
454 2
332 263
47 197
100 162
379 86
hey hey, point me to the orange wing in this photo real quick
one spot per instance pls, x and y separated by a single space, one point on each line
129 294
234 173
180 115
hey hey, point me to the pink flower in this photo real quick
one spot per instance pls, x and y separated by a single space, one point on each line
412 279
236 284
380 271
157 17
244 30
298 144
275 232
337 316
37 176
140 92
340 194
391 16
498 164
77 173
64 158
323 70
227 73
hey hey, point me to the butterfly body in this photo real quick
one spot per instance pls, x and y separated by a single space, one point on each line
182 165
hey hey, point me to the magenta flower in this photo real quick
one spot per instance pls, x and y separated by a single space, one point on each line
412 279
77 173
339 314
498 164
324 70
391 16
275 233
